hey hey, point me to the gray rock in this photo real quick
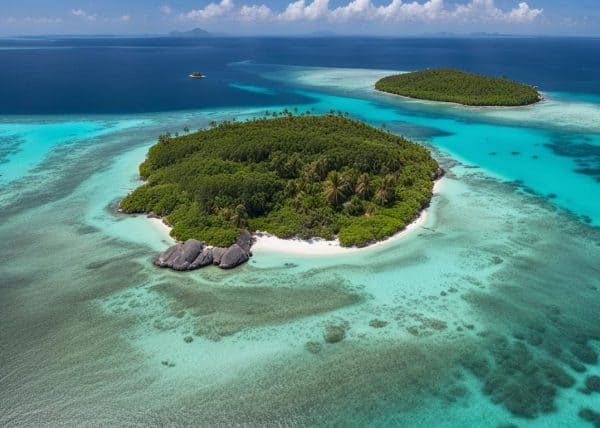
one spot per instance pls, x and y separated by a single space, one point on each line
217 253
191 249
192 254
234 256
245 241
166 258
188 253
205 258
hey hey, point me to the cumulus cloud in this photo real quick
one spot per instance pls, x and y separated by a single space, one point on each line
300 10
523 13
212 10
83 14
255 12
395 10
486 10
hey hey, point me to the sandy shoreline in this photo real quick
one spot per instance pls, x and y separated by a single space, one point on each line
267 243
319 247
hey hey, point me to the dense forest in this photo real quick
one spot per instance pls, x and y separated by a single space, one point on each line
444 84
292 175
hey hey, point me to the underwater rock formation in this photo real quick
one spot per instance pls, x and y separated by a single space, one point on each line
334 333
193 254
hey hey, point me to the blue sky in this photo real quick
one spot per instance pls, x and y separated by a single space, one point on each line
386 17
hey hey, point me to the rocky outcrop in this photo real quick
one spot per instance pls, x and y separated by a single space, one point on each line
193 254
217 253
234 256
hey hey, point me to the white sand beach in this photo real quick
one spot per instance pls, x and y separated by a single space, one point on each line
320 247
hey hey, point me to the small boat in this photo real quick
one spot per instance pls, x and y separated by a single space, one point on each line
197 75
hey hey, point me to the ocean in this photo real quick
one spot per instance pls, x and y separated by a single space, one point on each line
490 309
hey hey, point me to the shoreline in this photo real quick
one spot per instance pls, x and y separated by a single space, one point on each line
267 243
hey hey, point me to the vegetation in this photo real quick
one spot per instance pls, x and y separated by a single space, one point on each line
304 176
444 84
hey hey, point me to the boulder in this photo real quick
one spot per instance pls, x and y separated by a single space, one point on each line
192 254
217 253
205 258
180 256
166 258
188 253
233 256
245 241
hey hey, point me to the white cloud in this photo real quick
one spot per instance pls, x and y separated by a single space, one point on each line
523 13
125 18
255 12
486 10
299 10
414 11
83 15
362 10
211 10
166 10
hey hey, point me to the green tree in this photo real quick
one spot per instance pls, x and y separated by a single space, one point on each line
363 186
334 188
386 190
348 178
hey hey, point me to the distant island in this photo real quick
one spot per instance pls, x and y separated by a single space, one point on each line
449 85
197 75
196 32
288 175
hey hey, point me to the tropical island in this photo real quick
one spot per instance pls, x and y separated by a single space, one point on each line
292 176
455 86
196 75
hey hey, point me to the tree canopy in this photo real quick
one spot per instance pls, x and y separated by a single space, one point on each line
305 176
449 85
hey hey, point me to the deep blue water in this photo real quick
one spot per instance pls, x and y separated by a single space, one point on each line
134 75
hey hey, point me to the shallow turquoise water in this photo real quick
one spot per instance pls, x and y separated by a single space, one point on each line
491 306
26 144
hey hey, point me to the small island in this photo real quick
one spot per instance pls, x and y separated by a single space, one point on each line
455 86
292 176
197 75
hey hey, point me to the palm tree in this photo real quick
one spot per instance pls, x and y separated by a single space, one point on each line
334 188
321 168
363 186
385 191
349 180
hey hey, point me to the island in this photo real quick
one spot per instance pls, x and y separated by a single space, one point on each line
291 176
193 33
197 75
455 86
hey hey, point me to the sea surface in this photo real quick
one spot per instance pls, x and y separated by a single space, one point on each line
487 315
